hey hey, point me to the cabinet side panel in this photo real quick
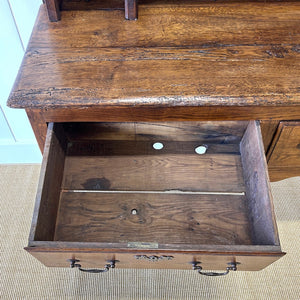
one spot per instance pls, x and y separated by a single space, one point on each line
268 129
39 126
284 153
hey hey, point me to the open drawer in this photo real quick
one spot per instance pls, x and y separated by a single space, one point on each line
155 195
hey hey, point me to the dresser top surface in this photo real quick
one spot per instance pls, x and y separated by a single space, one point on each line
234 54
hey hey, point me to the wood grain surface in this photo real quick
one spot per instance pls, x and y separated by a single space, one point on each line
227 54
280 173
284 152
40 117
160 218
119 4
174 197
120 156
39 126
92 5
245 23
48 192
268 129
184 172
53 8
230 61
258 189
285 149
211 132
209 261
131 9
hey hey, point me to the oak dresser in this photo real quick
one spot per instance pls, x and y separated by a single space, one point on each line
159 134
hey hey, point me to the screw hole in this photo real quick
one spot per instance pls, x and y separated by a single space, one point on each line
158 146
201 149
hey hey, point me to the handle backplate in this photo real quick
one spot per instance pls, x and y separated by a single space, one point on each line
110 265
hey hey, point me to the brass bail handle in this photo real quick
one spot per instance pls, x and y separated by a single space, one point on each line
109 265
232 266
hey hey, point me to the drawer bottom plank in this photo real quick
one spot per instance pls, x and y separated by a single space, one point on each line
162 218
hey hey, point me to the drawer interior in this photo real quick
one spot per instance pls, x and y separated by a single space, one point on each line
163 184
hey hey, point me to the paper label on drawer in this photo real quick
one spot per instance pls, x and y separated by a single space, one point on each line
142 245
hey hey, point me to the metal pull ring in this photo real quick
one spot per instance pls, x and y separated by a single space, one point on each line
231 267
74 264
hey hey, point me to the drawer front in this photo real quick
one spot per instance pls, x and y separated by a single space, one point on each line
250 262
284 153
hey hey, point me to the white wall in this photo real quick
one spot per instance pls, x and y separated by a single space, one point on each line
17 141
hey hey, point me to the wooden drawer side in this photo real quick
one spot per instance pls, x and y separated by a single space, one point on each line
258 190
47 198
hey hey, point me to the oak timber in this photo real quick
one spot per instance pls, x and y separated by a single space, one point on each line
40 117
47 198
194 61
268 129
96 200
160 218
285 149
258 190
210 261
95 223
154 172
53 8
284 152
92 5
131 9
228 55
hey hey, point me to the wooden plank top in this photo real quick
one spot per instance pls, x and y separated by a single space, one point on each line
203 54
